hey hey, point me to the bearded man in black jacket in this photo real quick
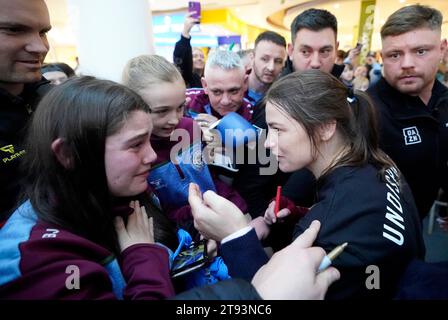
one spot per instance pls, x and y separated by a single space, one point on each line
412 104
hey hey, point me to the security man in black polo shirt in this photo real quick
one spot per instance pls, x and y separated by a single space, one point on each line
23 46
412 104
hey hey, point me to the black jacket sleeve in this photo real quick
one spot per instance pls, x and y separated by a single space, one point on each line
353 208
183 58
234 289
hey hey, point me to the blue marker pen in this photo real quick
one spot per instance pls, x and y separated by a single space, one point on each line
326 261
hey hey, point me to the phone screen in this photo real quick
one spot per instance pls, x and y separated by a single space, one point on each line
196 7
190 259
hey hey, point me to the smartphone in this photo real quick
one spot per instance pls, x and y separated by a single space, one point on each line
358 46
190 259
196 7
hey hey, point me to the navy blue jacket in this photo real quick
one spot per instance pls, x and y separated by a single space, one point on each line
424 281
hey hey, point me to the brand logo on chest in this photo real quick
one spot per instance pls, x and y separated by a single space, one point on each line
411 136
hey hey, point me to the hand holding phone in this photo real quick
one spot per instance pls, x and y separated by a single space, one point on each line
195 6
359 46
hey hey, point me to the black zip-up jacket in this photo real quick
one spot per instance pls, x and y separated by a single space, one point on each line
15 111
415 136
376 217
379 221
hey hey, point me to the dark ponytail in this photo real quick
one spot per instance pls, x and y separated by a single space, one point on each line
365 136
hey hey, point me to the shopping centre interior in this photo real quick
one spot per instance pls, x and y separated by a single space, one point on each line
220 19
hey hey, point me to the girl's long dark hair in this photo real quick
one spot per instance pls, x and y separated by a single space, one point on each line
314 98
83 112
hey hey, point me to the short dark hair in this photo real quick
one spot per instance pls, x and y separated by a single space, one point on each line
244 53
271 36
315 20
410 18
341 54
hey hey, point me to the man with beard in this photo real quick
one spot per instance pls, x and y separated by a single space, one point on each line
412 104
268 61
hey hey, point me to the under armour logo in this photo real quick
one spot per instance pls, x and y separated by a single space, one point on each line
411 136
8 148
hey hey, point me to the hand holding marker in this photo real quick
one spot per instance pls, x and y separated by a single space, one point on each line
327 260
